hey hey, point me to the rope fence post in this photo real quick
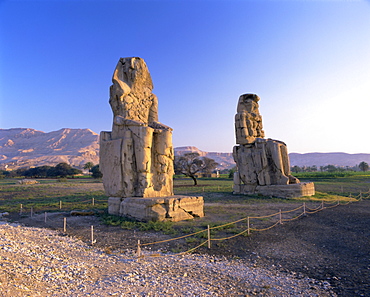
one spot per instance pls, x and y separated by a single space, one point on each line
209 236
93 201
304 208
60 204
31 211
45 216
280 220
249 229
65 225
92 235
138 253
21 209
322 204
360 195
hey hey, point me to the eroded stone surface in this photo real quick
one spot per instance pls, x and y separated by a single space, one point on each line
136 158
263 164
175 208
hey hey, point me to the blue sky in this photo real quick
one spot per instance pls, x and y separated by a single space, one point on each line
309 61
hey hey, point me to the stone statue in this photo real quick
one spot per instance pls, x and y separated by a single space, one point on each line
263 164
143 162
248 121
136 158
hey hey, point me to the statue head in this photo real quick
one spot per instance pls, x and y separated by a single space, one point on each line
248 103
135 74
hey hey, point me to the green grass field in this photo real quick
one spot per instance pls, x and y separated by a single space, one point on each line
221 206
80 193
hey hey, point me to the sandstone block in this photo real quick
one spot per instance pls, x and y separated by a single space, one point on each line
174 208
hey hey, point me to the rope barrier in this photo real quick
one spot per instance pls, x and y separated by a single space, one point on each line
318 208
259 230
295 218
306 210
288 211
171 239
232 236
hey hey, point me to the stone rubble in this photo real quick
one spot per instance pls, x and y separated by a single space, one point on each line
39 262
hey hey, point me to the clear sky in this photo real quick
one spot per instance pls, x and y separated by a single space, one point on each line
308 60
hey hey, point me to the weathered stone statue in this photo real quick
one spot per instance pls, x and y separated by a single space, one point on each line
144 166
263 164
136 158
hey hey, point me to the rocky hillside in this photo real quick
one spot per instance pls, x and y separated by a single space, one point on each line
24 147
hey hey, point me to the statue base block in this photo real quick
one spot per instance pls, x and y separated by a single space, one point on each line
280 191
173 208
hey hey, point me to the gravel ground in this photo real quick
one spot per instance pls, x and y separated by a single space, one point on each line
322 254
39 262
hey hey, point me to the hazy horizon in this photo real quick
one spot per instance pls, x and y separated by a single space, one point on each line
194 146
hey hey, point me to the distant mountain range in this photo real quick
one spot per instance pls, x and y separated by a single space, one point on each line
323 159
25 147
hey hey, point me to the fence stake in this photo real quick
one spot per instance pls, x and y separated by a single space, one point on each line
45 216
31 211
209 236
360 195
65 225
60 204
203 189
21 209
248 227
322 204
304 208
280 220
92 235
138 253
93 201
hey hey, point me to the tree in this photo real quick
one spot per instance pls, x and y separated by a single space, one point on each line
232 171
190 163
96 173
363 166
62 170
41 171
89 166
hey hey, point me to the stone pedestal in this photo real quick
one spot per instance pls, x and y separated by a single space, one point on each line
280 191
174 208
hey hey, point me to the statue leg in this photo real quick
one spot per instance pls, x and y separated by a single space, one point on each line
142 142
